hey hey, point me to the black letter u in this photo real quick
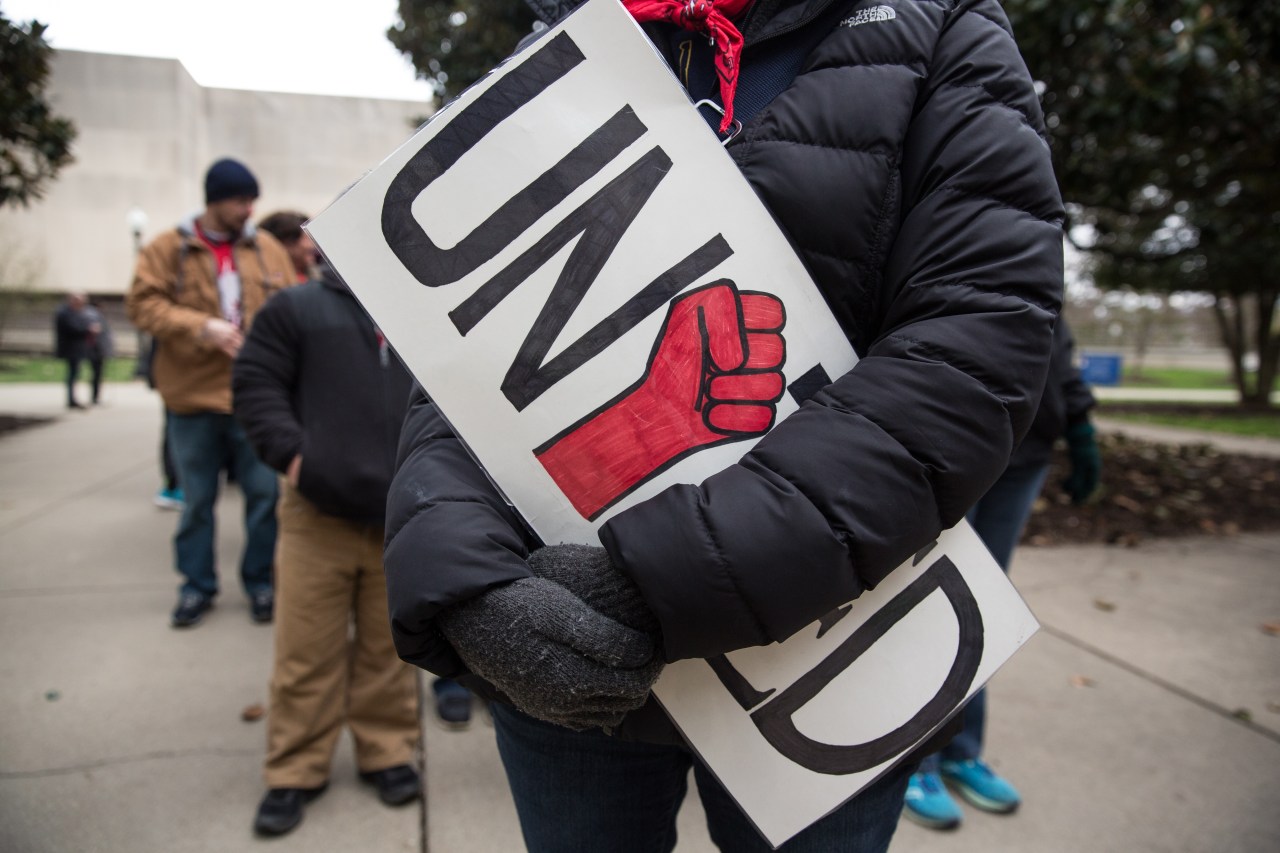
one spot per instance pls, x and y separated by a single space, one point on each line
434 266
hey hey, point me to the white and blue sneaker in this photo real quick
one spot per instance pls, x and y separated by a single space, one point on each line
928 803
979 785
170 499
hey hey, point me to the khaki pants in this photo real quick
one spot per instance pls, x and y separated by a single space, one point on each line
329 571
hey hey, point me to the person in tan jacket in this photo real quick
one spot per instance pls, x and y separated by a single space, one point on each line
195 290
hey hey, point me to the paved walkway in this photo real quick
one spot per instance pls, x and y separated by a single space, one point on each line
1138 394
1242 444
1145 716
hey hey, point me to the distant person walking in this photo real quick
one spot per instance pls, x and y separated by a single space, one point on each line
322 398
100 347
76 329
999 518
196 289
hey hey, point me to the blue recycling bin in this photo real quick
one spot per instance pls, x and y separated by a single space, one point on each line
1101 368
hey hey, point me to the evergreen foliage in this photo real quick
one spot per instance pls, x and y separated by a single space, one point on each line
34 142
1165 125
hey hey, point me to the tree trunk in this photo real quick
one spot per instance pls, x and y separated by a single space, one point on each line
1226 310
1230 312
1267 339
1142 343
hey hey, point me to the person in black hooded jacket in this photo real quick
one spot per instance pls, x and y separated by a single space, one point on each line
998 519
907 163
321 398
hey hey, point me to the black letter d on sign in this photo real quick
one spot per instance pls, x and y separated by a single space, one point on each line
774 720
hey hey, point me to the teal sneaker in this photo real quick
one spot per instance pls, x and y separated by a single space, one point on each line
928 803
170 499
976 782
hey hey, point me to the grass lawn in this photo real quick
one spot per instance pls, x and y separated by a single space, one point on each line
1225 419
1175 377
22 368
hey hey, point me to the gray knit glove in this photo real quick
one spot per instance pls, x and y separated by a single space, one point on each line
589 573
553 655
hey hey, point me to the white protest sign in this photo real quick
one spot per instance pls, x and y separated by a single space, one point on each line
567 243
793 730
601 307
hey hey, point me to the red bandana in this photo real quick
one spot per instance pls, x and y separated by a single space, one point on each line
706 16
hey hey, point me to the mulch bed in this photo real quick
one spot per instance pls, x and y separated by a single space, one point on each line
1159 490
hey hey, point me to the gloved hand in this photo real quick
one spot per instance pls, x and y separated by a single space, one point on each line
587 572
553 655
1086 462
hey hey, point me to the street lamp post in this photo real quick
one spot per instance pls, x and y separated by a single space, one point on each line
136 219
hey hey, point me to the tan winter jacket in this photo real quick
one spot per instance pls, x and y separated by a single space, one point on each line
191 374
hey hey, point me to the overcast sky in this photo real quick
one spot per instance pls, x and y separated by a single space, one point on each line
327 47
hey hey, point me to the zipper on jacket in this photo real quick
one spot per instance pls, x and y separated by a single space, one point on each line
818 11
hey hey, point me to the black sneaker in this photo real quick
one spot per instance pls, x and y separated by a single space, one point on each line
191 609
262 605
281 809
396 785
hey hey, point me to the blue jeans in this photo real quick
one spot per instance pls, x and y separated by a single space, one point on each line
998 519
587 791
202 444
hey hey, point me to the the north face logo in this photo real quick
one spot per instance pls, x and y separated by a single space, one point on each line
871 15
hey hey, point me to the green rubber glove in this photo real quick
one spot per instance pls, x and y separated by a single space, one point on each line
1086 462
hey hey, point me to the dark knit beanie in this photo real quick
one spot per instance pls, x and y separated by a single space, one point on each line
229 178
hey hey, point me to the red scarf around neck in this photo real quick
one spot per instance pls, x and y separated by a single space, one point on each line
707 16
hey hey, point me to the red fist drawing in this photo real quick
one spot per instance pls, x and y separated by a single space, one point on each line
715 375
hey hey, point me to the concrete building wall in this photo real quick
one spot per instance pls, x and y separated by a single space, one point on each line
148 132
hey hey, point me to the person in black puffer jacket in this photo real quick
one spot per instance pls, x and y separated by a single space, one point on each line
998 519
907 163
322 399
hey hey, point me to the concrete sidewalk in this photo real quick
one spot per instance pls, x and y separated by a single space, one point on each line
1145 716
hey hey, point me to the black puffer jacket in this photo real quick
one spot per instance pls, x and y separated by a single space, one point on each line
908 165
1066 402
315 378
